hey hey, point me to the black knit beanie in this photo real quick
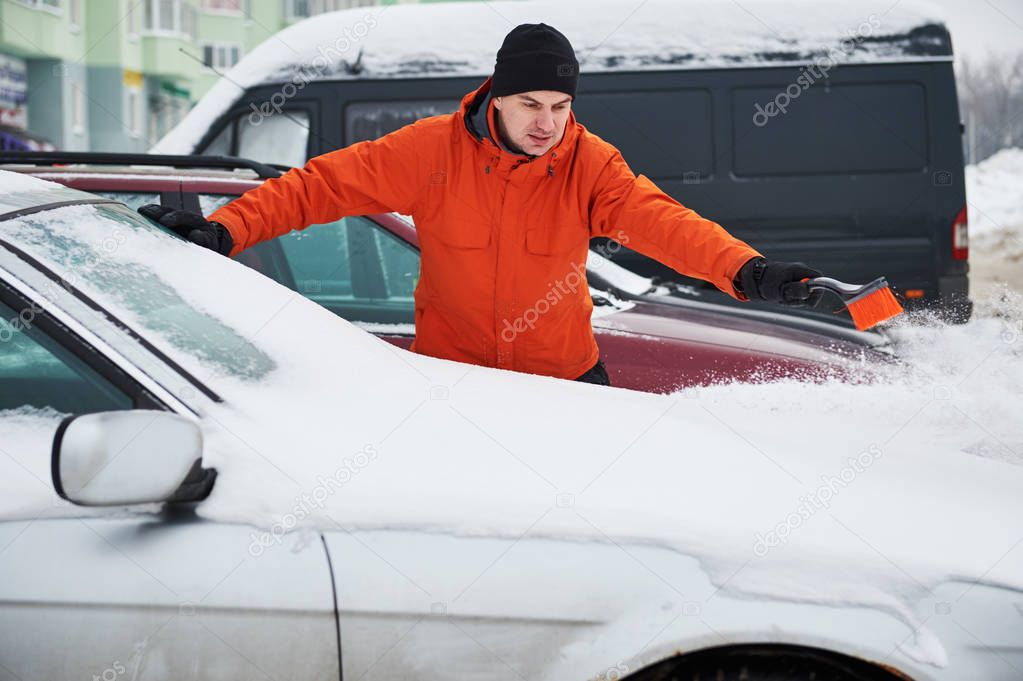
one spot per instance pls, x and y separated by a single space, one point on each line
535 57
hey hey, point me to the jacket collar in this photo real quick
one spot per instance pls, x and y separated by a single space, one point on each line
477 114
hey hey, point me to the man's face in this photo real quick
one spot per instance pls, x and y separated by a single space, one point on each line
533 122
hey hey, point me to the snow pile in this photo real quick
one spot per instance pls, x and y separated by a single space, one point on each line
994 195
994 192
792 490
461 39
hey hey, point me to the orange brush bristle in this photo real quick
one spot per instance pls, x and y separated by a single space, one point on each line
870 309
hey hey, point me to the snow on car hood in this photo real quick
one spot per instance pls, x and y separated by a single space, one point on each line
834 493
461 39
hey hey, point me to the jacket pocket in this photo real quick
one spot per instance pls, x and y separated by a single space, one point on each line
464 234
557 240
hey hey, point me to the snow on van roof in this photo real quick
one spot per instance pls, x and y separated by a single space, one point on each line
461 39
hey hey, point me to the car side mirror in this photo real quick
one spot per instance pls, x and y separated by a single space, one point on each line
118 458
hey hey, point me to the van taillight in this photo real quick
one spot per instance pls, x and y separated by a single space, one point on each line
960 237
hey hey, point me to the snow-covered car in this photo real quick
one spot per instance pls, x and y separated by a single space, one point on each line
385 515
365 269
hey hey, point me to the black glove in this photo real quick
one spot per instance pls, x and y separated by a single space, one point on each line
191 227
775 282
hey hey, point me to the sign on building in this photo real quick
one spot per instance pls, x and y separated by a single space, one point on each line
13 92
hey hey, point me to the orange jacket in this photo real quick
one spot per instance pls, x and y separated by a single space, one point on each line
503 237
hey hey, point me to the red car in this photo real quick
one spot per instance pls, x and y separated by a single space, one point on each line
365 269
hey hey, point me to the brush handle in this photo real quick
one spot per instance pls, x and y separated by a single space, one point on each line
839 287
842 289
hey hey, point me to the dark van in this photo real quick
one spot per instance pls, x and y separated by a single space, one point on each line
839 148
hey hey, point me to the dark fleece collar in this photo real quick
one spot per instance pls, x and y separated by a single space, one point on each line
479 126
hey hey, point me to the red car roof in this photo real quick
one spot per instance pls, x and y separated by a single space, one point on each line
651 347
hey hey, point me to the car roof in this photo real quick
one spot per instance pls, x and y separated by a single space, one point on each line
148 172
142 173
21 193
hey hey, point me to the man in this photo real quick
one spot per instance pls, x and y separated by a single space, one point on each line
506 194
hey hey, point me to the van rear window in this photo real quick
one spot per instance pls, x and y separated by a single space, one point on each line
840 129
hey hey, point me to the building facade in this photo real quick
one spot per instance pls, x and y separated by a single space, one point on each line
115 75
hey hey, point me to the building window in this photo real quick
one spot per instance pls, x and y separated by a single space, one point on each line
132 18
300 9
296 9
75 14
170 16
134 113
77 108
188 21
220 56
226 6
49 5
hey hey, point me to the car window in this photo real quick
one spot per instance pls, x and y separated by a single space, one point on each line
133 200
274 139
370 120
221 144
355 268
400 264
36 371
211 202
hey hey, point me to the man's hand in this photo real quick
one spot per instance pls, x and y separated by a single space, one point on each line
192 227
775 282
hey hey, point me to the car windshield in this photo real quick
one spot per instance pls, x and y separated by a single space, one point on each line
117 257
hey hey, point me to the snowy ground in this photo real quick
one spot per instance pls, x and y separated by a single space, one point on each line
994 195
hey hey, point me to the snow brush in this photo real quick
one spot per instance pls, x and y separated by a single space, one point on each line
869 304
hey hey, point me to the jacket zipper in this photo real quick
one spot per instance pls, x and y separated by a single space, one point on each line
497 258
